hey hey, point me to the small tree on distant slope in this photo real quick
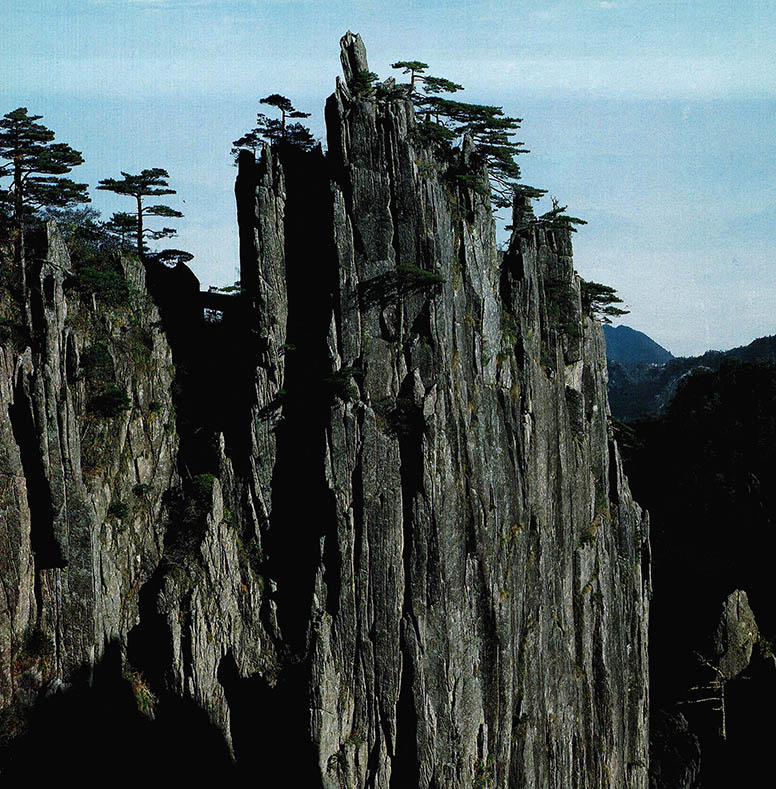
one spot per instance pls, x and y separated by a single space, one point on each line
149 183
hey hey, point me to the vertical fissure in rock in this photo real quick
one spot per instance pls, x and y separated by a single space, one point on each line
410 423
393 201
231 351
203 374
405 769
187 646
303 506
48 552
357 487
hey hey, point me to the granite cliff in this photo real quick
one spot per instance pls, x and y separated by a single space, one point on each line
368 528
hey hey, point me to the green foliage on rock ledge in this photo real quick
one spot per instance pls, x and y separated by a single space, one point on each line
560 304
112 401
599 301
404 280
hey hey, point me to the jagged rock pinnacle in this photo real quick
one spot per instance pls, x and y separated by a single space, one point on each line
353 56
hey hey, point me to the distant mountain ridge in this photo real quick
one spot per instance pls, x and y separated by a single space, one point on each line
628 346
641 389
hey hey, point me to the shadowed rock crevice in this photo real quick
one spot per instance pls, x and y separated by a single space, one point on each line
48 551
303 506
97 720
405 763
268 734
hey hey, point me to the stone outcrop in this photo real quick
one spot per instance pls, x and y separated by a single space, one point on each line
736 635
479 601
108 555
82 490
380 516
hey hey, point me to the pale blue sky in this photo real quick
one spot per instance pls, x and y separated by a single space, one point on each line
653 120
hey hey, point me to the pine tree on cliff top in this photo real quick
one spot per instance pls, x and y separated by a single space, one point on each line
149 183
276 131
443 120
35 165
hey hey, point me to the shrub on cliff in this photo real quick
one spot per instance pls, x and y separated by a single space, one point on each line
560 306
110 402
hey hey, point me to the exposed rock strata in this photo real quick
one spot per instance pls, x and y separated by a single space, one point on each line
66 469
106 549
405 432
480 601
736 636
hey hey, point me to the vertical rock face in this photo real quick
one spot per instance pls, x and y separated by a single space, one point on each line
85 464
375 512
117 574
478 604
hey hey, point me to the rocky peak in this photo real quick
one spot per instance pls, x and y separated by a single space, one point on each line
479 528
353 56
394 516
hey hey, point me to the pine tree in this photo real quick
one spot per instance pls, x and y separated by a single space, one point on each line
491 131
557 217
34 164
149 183
285 107
276 131
122 226
251 140
598 301
443 120
414 68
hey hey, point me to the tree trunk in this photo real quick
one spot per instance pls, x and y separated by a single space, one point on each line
18 215
139 226
19 250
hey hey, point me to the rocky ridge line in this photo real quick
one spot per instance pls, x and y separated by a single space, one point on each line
380 514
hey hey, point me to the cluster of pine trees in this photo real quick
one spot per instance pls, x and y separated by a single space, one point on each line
441 123
39 189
